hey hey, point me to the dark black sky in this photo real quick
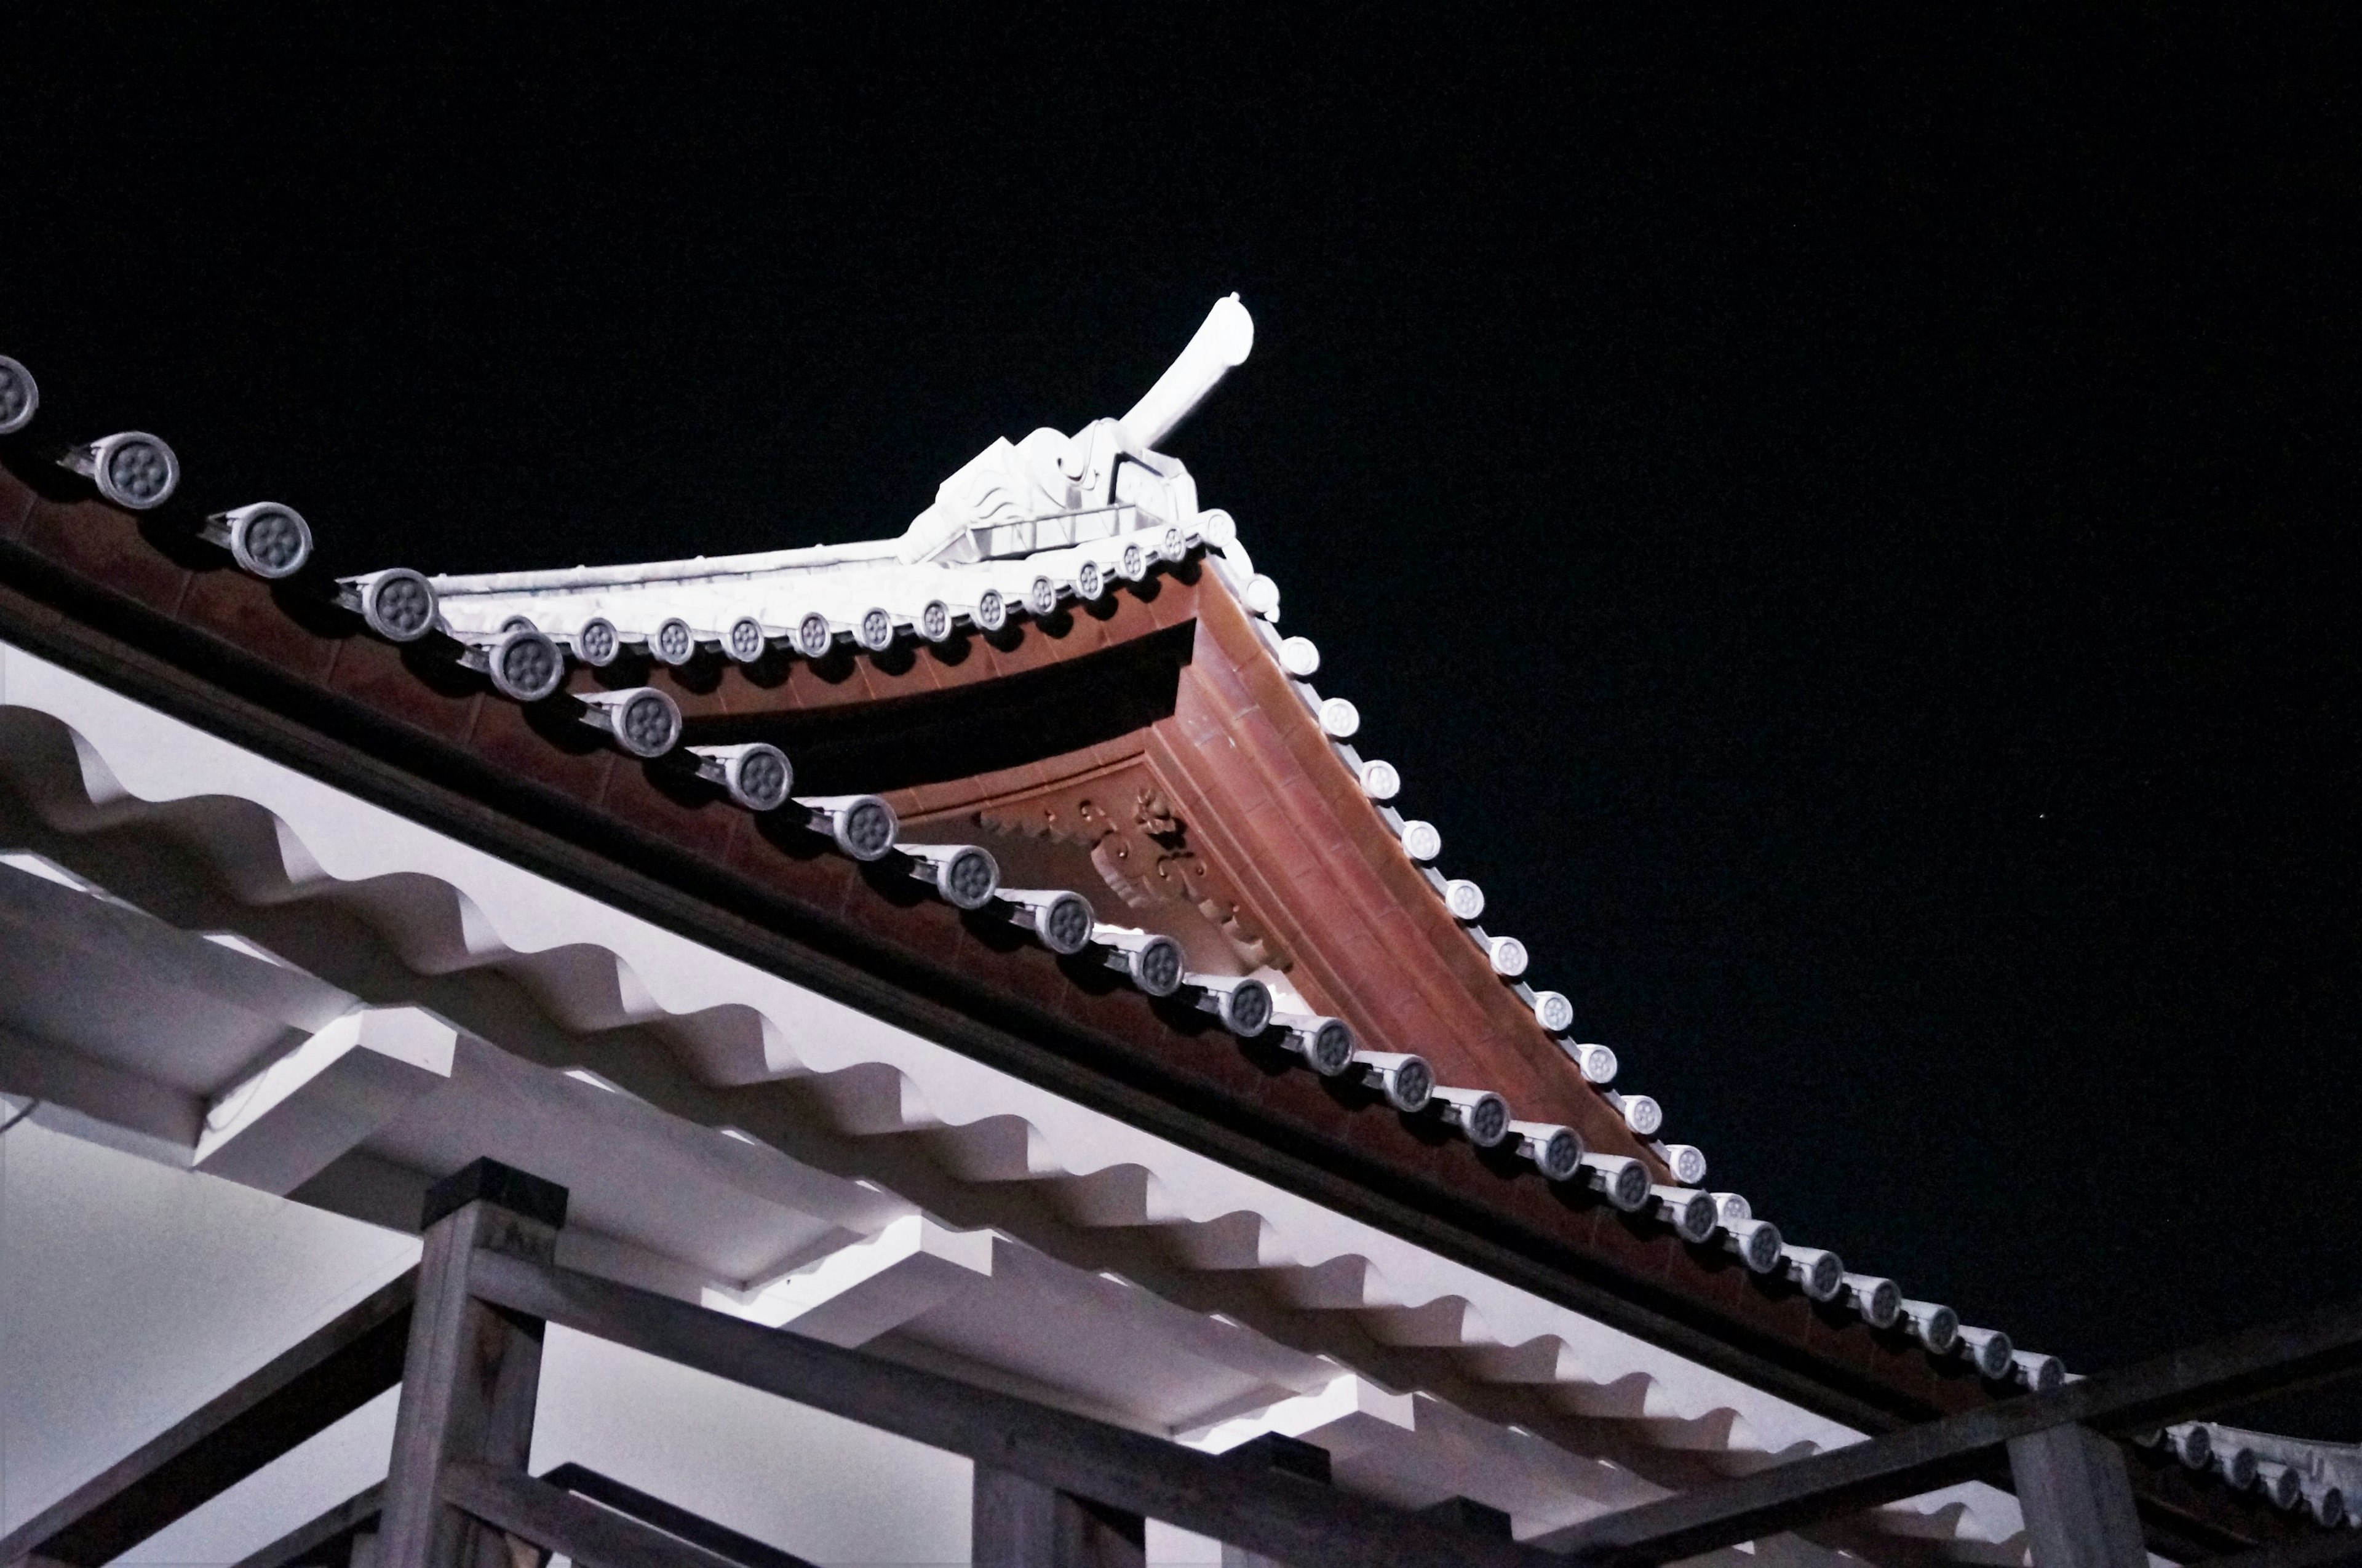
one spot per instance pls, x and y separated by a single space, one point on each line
1843 521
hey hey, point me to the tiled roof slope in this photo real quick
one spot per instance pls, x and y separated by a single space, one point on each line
1067 662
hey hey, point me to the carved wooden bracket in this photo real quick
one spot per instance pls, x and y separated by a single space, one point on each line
1124 819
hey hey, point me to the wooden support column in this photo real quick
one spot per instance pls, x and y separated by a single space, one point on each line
1023 1524
2077 1498
1271 1455
472 1372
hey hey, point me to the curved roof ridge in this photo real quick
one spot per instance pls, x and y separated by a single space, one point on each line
805 559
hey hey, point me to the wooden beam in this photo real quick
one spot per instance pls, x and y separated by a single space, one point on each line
1467 1513
696 1529
513 1503
861 1291
2245 1366
1019 1523
1280 1455
2076 1499
2327 1549
325 1541
285 1124
333 1372
472 1372
1281 1517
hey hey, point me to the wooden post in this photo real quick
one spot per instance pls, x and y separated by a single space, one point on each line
2077 1498
1023 1524
1273 1455
1453 1512
472 1372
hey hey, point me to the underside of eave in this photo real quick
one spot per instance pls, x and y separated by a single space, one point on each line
1221 817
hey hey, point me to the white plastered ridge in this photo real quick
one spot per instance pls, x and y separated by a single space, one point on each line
445 905
1078 508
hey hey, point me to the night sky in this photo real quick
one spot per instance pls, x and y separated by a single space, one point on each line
1843 521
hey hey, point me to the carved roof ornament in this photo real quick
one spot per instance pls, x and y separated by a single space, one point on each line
1051 490
1021 527
1141 848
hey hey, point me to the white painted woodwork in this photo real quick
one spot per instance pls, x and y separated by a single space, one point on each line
284 1124
859 1292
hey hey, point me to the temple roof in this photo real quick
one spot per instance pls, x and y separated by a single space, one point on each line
1059 703
1040 778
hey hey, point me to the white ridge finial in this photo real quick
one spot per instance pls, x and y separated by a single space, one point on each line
1222 344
